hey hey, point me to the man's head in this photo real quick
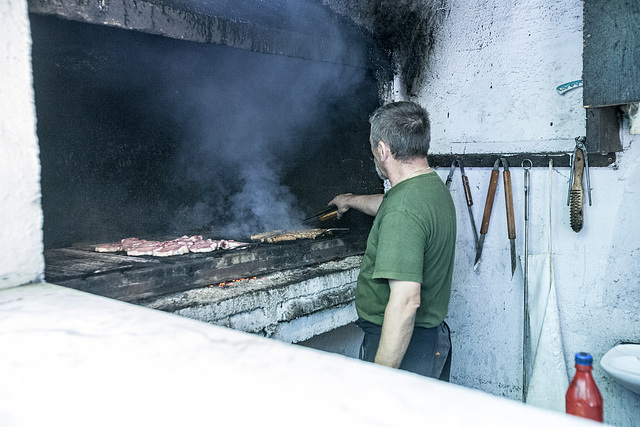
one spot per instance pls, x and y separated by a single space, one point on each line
404 127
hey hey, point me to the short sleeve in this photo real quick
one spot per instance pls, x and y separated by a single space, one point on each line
400 253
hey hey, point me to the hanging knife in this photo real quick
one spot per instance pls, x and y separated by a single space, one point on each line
467 194
511 223
484 227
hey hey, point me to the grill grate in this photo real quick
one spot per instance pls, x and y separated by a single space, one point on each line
135 278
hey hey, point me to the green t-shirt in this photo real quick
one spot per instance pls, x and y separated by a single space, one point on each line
412 239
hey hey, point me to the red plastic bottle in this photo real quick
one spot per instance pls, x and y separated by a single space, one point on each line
583 397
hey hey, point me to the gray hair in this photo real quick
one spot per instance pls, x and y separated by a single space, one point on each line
404 126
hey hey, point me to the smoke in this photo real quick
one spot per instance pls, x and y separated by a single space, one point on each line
241 119
145 135
262 204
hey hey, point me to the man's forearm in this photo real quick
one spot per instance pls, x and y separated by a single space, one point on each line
367 203
397 327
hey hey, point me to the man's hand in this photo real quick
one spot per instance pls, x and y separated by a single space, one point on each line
341 201
369 203
398 323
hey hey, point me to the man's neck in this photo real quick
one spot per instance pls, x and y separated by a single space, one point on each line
402 171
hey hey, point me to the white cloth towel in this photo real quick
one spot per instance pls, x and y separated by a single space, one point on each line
548 379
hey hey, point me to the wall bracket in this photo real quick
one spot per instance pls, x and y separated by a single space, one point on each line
515 160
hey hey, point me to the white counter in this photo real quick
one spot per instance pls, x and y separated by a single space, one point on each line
68 358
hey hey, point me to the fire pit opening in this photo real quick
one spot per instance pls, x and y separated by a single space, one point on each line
149 136
142 134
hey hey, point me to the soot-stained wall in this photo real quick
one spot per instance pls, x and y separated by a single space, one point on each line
145 135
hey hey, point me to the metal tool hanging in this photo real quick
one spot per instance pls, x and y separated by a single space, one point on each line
575 196
508 198
467 195
527 183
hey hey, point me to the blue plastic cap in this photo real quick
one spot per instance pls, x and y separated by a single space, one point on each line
584 359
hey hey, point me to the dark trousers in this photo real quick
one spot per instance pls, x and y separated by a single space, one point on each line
428 354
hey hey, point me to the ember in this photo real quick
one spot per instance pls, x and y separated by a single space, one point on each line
231 282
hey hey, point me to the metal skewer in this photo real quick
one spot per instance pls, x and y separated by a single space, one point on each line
525 379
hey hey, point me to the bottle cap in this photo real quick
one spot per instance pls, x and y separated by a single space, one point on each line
584 359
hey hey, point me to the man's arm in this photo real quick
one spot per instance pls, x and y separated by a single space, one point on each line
399 319
368 203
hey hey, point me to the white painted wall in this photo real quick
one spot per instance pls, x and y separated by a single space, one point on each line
21 260
491 89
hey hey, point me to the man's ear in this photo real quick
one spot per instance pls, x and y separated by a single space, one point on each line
385 151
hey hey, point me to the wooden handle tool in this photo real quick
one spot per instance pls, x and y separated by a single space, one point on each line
491 194
467 190
508 200
511 222
577 192
488 207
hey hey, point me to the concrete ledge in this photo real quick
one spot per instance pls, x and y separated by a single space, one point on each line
75 359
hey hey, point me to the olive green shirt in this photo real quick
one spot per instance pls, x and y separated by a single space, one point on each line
412 239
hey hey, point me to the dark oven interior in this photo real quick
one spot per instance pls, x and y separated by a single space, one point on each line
148 136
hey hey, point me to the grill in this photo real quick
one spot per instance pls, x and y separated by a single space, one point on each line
135 279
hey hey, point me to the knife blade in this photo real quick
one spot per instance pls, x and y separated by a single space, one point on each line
486 217
511 223
450 176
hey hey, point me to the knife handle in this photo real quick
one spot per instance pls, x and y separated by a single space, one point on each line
327 216
508 201
493 184
467 190
578 168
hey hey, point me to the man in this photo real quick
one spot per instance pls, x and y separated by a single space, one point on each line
404 285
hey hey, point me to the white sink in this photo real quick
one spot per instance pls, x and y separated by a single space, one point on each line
622 363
